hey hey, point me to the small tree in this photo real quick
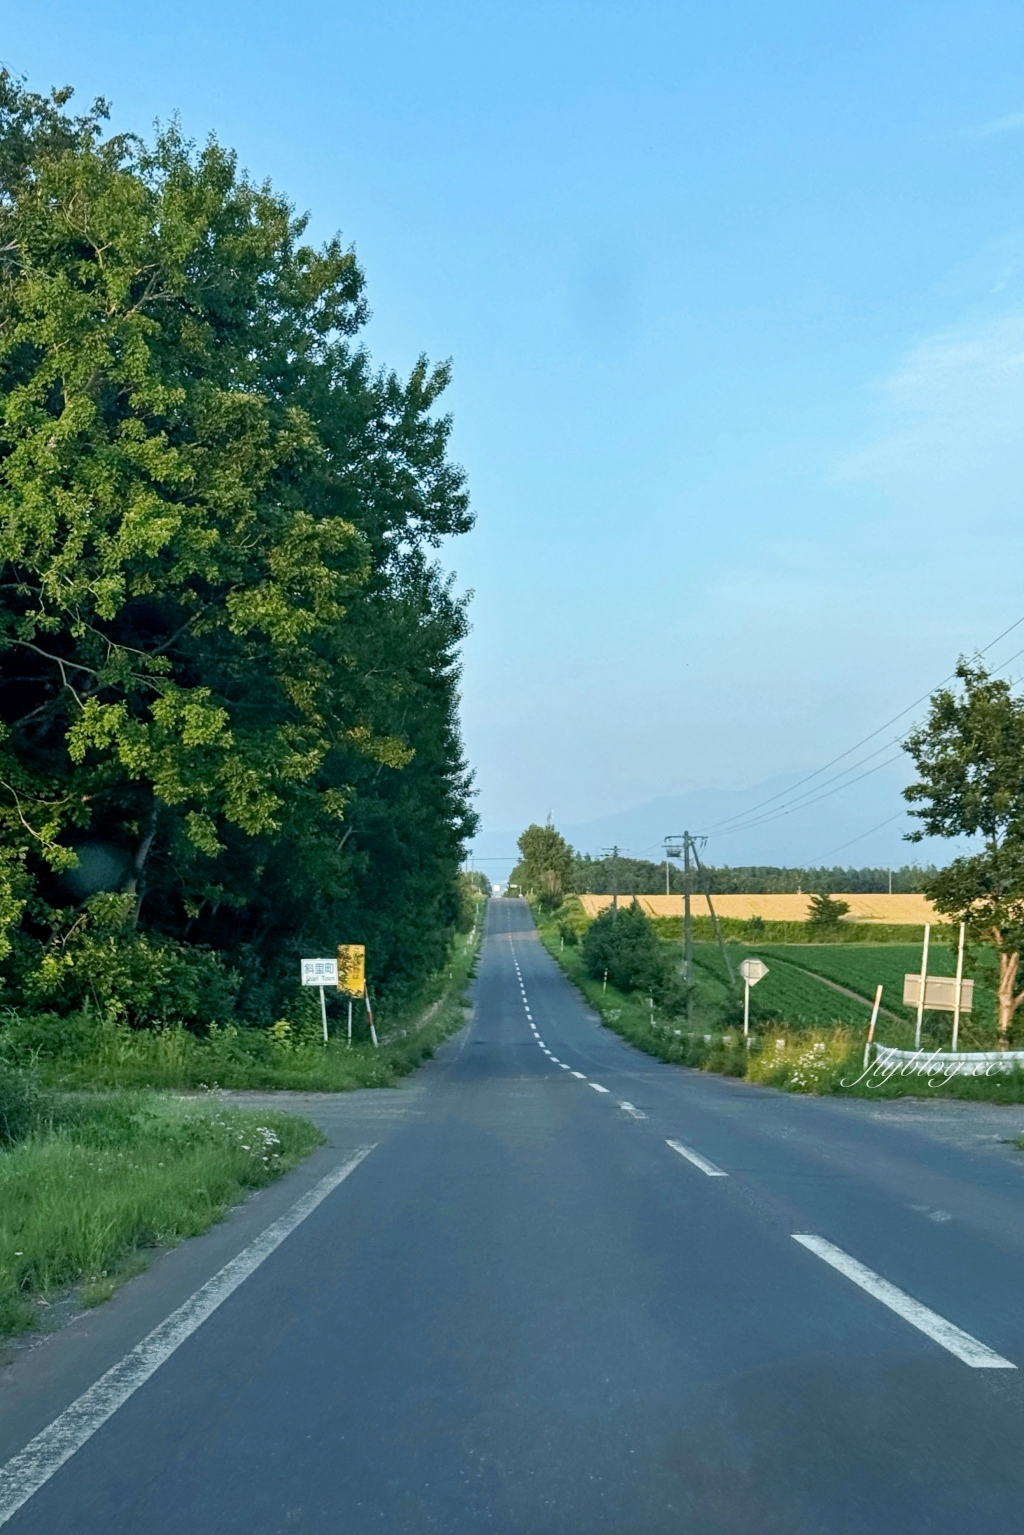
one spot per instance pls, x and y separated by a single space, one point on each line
826 913
970 758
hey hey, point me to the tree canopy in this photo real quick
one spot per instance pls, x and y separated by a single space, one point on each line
228 654
970 758
546 865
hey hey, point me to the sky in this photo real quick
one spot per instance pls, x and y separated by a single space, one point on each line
734 297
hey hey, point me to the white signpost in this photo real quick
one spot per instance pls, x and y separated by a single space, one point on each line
320 972
939 993
752 971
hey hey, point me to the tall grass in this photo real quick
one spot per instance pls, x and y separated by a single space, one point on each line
106 1176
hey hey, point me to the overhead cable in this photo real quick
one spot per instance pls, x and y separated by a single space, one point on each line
784 793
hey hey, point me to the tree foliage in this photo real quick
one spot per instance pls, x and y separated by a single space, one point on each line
970 758
625 944
228 656
826 913
639 876
546 865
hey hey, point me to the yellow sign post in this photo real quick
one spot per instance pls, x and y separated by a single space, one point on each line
352 975
352 968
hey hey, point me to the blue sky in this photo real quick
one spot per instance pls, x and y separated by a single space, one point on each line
735 299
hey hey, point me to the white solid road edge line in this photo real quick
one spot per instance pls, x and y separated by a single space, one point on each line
697 1160
26 1472
952 1338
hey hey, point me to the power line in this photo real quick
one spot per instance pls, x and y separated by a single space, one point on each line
725 828
784 793
778 815
843 845
808 793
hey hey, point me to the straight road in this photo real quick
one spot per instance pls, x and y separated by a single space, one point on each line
562 1294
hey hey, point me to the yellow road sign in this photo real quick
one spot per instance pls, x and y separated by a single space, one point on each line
352 968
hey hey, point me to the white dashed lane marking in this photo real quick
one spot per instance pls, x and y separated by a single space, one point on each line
579 1075
698 1161
631 1109
976 1354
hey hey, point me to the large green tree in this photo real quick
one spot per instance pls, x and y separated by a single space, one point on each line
969 756
546 866
228 657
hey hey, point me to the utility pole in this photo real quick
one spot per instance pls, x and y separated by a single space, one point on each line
711 908
613 854
681 846
687 929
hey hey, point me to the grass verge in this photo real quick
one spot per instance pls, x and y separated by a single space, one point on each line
104 1177
70 1053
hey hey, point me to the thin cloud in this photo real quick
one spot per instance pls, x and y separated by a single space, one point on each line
947 441
1007 124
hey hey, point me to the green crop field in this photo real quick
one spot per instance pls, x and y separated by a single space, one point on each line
788 994
785 995
862 966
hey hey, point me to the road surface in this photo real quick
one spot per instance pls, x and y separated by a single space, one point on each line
565 1291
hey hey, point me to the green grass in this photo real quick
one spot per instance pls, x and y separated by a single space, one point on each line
628 1015
107 1176
75 1053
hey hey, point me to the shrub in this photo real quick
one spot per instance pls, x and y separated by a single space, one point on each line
98 959
625 944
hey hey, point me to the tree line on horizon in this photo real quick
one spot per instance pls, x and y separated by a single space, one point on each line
229 666
639 876
550 867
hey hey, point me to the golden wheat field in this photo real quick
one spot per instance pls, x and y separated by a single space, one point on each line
776 908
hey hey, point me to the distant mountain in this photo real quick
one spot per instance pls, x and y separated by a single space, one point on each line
778 821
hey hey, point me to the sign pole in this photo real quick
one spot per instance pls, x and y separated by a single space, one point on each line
752 970
350 1023
924 982
871 1025
959 987
323 1012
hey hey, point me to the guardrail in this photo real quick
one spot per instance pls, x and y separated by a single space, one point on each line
963 1063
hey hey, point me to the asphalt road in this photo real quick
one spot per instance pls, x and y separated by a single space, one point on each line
526 1311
